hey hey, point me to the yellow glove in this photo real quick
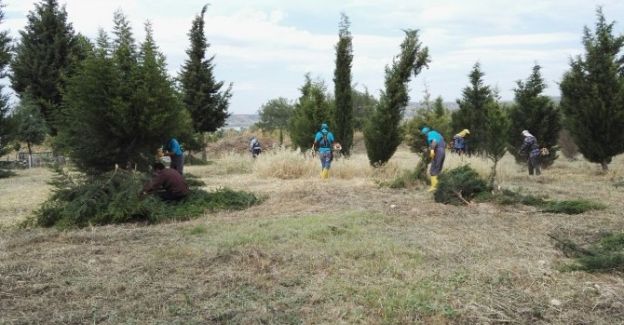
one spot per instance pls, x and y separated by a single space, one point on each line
431 154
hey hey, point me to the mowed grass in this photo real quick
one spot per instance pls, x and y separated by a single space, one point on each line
339 251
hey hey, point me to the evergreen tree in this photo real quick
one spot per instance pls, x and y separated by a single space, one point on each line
536 113
593 95
343 113
274 115
202 94
124 54
494 143
472 109
363 104
43 58
381 133
312 109
30 126
102 127
6 129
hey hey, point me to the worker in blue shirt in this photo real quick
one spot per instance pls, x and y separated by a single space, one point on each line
323 142
437 147
174 150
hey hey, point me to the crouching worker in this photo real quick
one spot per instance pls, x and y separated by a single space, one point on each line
436 146
530 145
323 142
167 183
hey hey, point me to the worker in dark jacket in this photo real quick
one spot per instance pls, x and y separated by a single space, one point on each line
167 183
530 145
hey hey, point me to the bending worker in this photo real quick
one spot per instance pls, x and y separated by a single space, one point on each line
167 183
459 142
436 145
323 142
530 145
174 150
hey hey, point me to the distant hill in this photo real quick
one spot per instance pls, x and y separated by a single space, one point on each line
241 121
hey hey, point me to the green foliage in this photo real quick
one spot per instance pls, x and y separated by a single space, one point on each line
569 149
343 113
412 177
6 173
436 117
312 109
473 107
381 132
460 185
274 115
536 113
31 127
119 117
494 129
605 255
114 198
593 95
6 123
363 105
508 197
201 93
44 58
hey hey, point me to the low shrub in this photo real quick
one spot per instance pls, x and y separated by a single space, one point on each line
459 186
114 198
605 255
4 173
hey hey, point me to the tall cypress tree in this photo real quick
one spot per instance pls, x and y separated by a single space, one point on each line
593 95
202 94
43 58
6 129
343 112
103 127
312 109
381 132
536 113
472 109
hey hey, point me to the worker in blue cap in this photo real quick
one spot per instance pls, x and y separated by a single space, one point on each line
323 142
437 147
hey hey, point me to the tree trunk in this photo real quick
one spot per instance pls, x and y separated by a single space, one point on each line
29 154
203 145
492 177
281 137
605 166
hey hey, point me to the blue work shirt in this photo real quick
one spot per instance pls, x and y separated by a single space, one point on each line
174 147
319 137
435 136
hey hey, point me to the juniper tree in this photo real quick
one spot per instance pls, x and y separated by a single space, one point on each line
202 94
6 129
472 109
43 58
312 109
536 113
593 94
30 126
494 129
106 125
274 115
381 132
343 112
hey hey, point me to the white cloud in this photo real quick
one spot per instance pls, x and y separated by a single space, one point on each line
522 39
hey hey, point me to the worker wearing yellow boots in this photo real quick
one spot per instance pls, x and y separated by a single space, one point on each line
436 146
323 141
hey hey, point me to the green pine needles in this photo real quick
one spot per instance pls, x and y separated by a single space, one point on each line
113 198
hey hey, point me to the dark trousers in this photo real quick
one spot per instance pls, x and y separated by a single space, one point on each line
177 163
170 197
534 165
438 162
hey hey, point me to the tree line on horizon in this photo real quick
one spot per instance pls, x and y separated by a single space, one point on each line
110 101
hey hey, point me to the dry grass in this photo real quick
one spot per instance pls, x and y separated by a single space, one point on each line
337 251
22 194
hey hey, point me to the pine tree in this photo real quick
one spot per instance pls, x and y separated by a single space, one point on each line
472 109
124 53
312 109
108 122
6 125
343 113
381 133
536 113
593 95
30 125
494 129
43 58
274 115
202 94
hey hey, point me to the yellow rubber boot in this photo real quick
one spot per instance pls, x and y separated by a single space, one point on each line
323 173
326 173
434 183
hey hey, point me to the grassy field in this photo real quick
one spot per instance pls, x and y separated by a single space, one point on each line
338 251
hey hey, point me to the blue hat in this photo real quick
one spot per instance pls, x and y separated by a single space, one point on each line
324 126
425 130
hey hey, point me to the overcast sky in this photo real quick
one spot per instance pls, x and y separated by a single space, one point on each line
265 47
